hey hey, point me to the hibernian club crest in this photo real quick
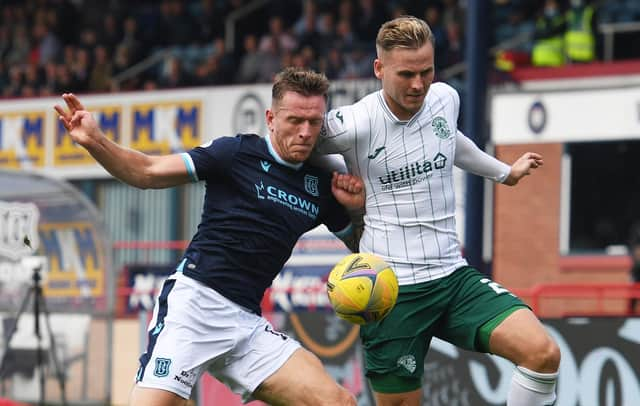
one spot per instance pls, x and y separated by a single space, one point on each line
441 128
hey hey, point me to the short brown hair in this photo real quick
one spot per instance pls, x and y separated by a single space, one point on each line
303 81
403 32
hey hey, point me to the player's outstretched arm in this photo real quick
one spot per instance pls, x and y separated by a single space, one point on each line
522 167
130 166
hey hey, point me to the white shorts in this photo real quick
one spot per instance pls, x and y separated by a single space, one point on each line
194 329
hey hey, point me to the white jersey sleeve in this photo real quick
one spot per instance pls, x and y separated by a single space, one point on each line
472 159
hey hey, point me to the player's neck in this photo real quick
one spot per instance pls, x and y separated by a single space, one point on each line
277 155
401 113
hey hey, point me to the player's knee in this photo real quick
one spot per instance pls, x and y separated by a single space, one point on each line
544 356
337 395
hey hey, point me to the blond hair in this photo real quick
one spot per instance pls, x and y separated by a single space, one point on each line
303 81
403 32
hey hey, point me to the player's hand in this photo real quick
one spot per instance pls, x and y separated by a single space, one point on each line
80 123
348 190
522 167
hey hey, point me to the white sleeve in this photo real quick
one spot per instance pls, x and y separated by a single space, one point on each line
330 163
335 135
472 159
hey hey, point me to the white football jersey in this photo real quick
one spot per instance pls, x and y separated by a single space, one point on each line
407 167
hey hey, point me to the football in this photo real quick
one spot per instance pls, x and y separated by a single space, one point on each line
362 288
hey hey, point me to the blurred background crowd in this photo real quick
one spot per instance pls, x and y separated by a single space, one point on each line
51 46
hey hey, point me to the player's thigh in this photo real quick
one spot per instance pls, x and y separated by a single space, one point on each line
475 300
522 339
397 345
413 398
302 380
154 397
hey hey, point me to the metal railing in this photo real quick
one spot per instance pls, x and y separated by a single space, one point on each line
234 16
609 30
138 68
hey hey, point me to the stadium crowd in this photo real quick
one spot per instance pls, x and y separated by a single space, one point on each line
51 46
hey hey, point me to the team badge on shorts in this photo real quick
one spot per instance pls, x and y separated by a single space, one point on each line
408 362
440 127
162 367
311 185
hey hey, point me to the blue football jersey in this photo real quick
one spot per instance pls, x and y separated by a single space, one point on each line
256 206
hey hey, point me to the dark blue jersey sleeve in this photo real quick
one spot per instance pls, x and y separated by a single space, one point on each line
336 219
214 158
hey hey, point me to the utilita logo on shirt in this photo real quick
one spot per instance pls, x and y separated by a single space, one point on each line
412 174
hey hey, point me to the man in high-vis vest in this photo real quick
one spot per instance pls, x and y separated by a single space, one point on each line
579 38
548 48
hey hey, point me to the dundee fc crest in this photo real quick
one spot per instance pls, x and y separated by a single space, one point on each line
311 185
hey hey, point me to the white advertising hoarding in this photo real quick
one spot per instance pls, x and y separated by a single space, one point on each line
565 116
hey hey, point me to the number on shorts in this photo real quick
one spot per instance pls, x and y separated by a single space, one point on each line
494 285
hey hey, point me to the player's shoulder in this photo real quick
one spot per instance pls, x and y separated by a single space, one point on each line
443 91
247 141
444 96
232 144
357 115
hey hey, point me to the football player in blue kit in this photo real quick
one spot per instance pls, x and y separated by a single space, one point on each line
261 196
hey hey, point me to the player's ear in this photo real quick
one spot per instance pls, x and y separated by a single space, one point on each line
269 116
377 68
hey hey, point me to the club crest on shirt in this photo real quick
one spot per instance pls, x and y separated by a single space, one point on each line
311 185
441 127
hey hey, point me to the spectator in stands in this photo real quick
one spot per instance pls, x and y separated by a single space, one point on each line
284 40
208 20
332 64
548 47
19 51
100 76
209 72
46 44
580 39
309 35
432 16
80 69
371 15
455 38
173 74
110 34
182 26
250 61
130 39
32 76
49 79
64 79
14 82
634 250
270 60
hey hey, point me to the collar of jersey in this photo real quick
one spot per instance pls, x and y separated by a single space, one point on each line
392 116
279 160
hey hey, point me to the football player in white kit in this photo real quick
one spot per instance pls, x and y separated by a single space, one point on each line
403 142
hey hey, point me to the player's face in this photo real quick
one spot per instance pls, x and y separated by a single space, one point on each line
294 124
406 75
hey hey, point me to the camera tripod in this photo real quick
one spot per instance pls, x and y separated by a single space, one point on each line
35 291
